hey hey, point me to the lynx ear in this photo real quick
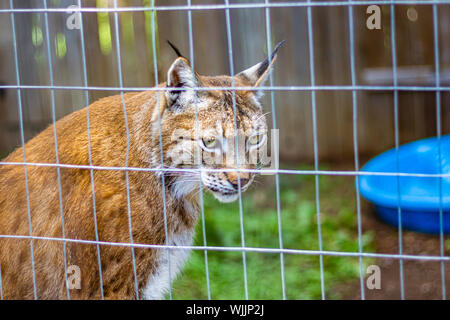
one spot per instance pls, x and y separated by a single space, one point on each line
180 79
257 74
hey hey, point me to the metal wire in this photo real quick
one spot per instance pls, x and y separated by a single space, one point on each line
52 99
127 130
228 6
22 140
91 170
439 133
163 181
241 214
261 88
277 176
312 88
258 171
355 143
197 130
316 146
397 145
244 249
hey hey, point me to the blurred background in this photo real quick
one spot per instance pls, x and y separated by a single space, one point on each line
301 277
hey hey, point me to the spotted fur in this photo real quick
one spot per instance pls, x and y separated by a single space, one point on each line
152 198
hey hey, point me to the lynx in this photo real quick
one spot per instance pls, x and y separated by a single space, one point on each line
118 205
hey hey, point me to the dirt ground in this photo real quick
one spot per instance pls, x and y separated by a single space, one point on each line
422 279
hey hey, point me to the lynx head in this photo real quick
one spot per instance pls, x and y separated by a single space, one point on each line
206 124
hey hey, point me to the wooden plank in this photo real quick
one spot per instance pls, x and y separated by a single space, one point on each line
417 110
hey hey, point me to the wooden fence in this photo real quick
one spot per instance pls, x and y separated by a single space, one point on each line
414 35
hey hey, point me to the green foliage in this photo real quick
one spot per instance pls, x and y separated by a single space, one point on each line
104 28
299 231
60 45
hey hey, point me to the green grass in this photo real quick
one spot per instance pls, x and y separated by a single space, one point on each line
299 230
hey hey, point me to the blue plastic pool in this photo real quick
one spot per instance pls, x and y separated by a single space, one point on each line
420 197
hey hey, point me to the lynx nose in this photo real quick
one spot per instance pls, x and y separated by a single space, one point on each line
235 183
233 178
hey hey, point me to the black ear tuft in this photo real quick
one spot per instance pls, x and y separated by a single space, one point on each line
257 74
175 49
266 63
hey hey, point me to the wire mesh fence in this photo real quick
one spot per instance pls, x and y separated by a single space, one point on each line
313 89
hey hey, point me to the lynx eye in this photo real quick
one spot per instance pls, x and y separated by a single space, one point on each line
209 142
256 140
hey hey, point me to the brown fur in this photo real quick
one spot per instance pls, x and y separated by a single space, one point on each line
108 148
